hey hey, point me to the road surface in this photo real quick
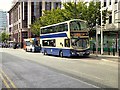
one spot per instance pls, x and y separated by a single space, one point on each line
34 70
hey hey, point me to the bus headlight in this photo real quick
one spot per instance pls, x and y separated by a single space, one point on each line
72 52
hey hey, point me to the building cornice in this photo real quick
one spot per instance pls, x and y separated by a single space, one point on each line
13 6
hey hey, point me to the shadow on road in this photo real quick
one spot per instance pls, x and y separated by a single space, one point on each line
78 57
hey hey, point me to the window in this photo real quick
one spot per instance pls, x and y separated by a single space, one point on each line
25 35
54 29
47 5
80 43
104 3
67 42
28 43
110 2
50 30
78 25
10 29
49 43
74 26
19 25
65 27
117 16
61 28
44 31
40 8
57 5
116 1
110 19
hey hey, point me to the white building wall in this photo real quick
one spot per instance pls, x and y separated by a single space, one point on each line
29 14
114 7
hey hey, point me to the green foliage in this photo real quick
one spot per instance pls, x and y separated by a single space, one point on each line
4 37
75 11
48 18
52 17
80 10
105 13
93 14
35 27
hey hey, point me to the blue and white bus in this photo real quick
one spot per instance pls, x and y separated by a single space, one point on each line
69 38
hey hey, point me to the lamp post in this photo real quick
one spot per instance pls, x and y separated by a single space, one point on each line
96 33
101 31
96 41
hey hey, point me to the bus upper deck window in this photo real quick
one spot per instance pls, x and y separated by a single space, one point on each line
75 26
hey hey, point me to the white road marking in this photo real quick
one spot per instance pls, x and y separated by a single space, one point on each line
109 61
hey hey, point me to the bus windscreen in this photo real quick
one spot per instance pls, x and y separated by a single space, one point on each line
78 25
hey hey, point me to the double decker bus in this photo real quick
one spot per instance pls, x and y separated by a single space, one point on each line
69 38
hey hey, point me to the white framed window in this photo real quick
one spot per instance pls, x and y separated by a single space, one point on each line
116 1
117 16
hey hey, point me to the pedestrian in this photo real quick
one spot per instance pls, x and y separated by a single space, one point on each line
108 48
119 50
93 47
114 49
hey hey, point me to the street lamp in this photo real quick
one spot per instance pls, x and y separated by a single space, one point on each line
101 31
97 32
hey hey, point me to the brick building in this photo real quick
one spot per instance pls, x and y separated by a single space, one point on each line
23 14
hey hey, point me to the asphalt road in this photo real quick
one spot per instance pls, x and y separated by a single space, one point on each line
34 70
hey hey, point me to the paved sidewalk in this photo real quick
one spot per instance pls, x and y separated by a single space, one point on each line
105 57
108 57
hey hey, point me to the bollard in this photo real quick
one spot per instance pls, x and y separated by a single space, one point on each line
108 51
93 47
93 50
119 51
113 51
100 50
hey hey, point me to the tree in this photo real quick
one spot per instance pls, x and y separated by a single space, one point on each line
35 27
4 37
71 10
75 11
93 14
105 14
48 18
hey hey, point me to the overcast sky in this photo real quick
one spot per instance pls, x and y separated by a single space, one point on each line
5 5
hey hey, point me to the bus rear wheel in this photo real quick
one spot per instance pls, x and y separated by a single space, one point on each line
45 52
61 54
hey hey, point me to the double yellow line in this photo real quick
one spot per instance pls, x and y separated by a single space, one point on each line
6 80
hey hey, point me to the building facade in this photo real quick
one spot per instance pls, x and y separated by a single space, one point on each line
112 26
23 14
3 20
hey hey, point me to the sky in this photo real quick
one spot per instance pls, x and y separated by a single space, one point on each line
5 5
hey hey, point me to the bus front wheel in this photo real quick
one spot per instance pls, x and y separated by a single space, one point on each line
26 49
61 54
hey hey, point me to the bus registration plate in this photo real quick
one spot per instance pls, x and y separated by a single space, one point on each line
80 53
